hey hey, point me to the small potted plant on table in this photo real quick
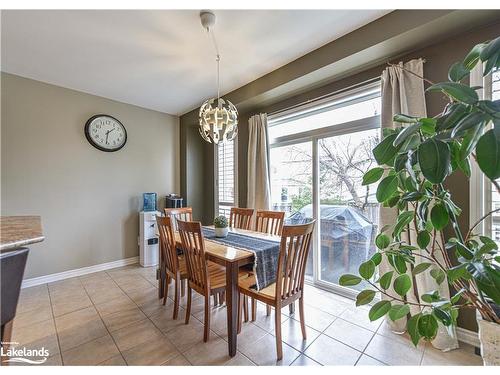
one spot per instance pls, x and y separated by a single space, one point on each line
221 226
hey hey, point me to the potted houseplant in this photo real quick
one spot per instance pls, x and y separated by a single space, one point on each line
221 226
414 161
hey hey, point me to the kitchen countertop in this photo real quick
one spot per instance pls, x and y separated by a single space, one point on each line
18 231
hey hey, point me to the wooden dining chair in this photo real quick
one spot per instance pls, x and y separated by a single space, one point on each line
269 222
174 265
289 285
204 277
241 218
181 213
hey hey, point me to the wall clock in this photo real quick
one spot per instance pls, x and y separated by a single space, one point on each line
105 133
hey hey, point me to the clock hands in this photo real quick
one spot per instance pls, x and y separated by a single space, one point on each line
107 134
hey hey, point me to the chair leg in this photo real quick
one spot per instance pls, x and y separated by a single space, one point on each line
216 295
188 307
245 308
166 281
183 287
254 310
206 331
240 308
177 285
268 310
302 318
279 344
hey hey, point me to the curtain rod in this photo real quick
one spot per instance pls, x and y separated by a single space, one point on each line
370 80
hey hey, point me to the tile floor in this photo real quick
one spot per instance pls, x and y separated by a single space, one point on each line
115 318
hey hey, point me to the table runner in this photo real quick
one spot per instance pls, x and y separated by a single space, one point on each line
265 252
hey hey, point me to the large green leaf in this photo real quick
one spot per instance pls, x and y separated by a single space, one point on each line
382 241
438 275
492 48
402 284
385 150
405 119
385 280
454 112
405 133
376 258
373 175
427 326
457 91
458 72
434 160
488 153
469 141
421 267
442 316
474 119
473 56
423 239
365 297
367 269
398 311
386 188
412 327
439 216
403 220
379 310
349 280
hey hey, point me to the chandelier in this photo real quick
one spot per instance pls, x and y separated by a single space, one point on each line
218 117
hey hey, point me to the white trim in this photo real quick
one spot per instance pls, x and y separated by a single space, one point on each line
78 272
468 337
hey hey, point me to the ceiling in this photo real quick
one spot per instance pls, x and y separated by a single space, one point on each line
163 59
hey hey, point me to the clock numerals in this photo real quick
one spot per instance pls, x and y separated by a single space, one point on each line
106 133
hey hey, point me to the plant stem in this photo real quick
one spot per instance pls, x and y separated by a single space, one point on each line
469 233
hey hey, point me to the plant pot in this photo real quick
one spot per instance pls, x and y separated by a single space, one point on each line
489 335
221 232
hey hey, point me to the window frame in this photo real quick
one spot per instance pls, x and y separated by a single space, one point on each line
313 136
217 202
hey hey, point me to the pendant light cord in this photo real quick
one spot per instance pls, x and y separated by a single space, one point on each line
217 59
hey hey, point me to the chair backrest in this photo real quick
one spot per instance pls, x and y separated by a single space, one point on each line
12 266
241 218
294 248
168 248
182 213
269 221
194 252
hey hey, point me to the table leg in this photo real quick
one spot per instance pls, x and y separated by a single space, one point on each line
232 305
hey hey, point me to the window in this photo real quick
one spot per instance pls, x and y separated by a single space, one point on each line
319 153
484 197
225 184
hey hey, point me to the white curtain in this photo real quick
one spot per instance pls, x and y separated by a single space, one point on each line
259 175
403 92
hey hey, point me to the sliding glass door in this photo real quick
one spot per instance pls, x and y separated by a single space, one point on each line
318 157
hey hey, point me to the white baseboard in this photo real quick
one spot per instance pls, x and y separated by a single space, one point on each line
469 337
78 272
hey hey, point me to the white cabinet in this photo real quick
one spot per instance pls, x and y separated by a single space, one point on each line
148 239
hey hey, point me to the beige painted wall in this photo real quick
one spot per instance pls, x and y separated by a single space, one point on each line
88 199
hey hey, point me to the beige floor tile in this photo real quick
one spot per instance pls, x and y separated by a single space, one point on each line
123 318
394 351
464 356
180 360
135 334
54 360
304 360
91 277
35 336
322 301
187 335
100 295
33 298
164 321
91 353
153 352
79 327
315 318
120 303
25 318
365 360
143 296
66 284
249 335
73 303
116 360
265 322
263 353
212 353
156 306
239 360
349 334
136 283
328 351
291 333
360 317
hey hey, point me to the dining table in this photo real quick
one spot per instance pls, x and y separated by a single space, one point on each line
232 258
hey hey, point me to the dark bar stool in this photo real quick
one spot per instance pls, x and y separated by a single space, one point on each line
12 265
